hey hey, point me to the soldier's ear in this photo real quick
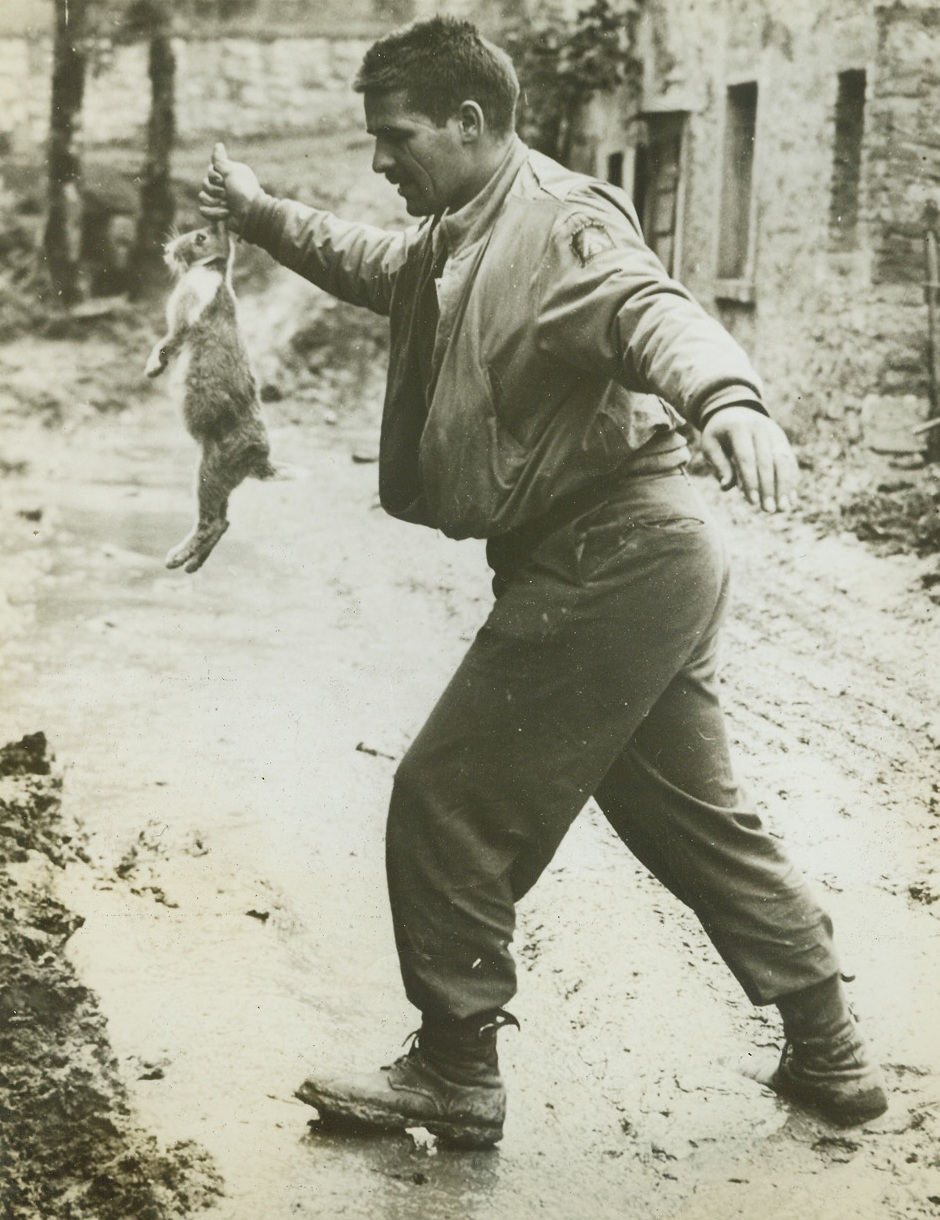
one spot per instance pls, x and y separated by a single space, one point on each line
472 121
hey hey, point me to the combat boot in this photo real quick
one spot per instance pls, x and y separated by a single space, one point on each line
448 1082
825 1063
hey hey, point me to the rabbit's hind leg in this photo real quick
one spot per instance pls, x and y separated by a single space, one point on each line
217 478
255 450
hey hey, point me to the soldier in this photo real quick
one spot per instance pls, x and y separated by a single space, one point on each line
543 367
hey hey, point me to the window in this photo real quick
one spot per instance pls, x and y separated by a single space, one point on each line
657 185
847 160
734 236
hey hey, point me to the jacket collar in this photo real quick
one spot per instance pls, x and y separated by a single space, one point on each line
468 224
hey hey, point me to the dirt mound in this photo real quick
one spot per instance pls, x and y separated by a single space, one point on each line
68 1146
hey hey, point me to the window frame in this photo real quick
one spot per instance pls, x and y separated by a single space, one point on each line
735 284
661 127
848 150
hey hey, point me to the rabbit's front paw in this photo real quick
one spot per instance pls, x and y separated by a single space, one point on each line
156 362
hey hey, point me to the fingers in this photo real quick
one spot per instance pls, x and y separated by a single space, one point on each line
212 207
718 460
757 454
214 182
751 466
212 198
761 486
776 468
755 458
228 189
787 475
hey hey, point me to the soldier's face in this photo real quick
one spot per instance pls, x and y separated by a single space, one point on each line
429 165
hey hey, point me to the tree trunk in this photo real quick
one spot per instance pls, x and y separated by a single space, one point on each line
157 206
931 246
62 238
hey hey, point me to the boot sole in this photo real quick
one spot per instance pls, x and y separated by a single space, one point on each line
843 1112
353 1116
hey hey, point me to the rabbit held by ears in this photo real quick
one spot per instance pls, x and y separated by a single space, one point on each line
221 407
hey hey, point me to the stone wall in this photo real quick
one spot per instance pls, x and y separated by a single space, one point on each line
904 178
25 65
835 321
225 86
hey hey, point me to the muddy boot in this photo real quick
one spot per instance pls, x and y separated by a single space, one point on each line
825 1063
448 1083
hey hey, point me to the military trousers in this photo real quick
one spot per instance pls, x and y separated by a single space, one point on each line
595 674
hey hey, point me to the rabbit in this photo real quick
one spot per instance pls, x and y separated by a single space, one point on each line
221 407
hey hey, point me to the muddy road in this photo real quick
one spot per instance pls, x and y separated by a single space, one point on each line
227 742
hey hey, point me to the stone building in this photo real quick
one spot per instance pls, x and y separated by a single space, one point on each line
784 155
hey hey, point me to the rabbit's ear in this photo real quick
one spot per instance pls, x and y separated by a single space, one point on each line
218 228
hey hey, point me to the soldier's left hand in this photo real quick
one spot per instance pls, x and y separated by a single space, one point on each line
747 449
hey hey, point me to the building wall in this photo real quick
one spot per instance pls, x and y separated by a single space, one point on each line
226 86
232 87
904 177
838 328
24 92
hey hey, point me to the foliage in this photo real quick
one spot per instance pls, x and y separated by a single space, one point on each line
562 63
898 517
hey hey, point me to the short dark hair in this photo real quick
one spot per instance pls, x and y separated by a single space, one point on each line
441 63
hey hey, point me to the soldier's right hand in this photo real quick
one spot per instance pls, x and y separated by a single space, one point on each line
228 189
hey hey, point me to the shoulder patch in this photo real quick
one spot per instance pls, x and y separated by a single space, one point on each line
589 240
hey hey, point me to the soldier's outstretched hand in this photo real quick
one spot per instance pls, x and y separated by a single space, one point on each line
747 449
228 189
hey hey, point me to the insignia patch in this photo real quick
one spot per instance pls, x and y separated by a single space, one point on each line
589 241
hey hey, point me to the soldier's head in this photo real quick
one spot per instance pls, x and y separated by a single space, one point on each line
440 103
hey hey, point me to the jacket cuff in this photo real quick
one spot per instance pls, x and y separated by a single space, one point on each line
738 396
260 224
